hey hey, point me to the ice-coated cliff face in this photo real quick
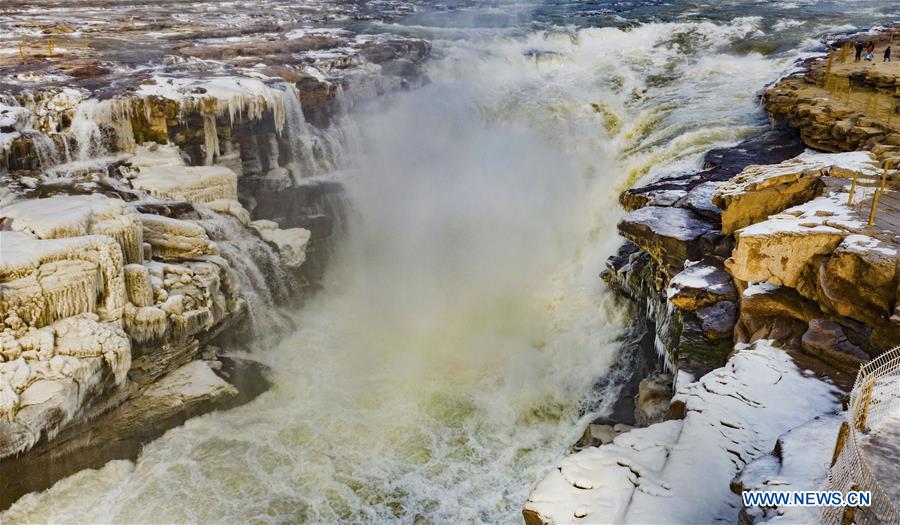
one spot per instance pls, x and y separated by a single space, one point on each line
76 309
130 226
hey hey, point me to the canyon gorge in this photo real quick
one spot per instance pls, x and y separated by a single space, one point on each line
408 262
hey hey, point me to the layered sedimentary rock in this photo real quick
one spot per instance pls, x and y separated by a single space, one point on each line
790 227
84 329
848 110
824 251
72 302
786 258
670 235
159 196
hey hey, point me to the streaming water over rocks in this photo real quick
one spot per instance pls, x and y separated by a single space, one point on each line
462 329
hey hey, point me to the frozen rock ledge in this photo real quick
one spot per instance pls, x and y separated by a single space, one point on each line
103 307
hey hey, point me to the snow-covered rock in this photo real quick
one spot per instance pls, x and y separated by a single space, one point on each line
75 216
230 207
173 239
799 462
50 372
291 243
763 190
699 285
47 280
194 184
192 382
670 235
826 252
731 415
72 306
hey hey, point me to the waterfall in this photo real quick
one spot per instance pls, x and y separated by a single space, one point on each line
45 147
91 118
263 281
314 151
454 353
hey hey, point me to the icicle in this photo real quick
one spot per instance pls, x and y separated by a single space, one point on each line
145 323
211 139
137 285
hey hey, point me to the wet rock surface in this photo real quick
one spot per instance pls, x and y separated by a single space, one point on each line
719 165
670 235
190 390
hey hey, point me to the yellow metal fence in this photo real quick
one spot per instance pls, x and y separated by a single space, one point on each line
874 400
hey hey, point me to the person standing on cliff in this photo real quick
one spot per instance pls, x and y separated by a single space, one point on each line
859 49
870 50
887 54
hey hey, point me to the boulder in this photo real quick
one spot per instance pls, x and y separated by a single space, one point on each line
699 285
597 434
860 279
760 191
653 398
782 256
291 243
717 320
827 341
700 200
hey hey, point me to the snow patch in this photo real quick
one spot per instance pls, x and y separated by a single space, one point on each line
732 414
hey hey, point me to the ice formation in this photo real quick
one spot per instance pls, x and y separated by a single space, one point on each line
195 184
226 96
47 280
291 242
78 290
73 216
46 373
173 239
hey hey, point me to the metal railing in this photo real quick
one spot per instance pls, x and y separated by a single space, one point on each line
876 105
25 47
875 398
860 185
842 88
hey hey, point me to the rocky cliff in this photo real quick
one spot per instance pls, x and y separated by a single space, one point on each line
773 255
161 198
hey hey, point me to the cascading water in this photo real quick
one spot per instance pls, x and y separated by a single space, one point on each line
257 270
452 355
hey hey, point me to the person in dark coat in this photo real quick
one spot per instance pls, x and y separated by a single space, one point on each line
859 49
887 54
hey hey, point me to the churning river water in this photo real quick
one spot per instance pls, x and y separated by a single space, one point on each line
453 354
